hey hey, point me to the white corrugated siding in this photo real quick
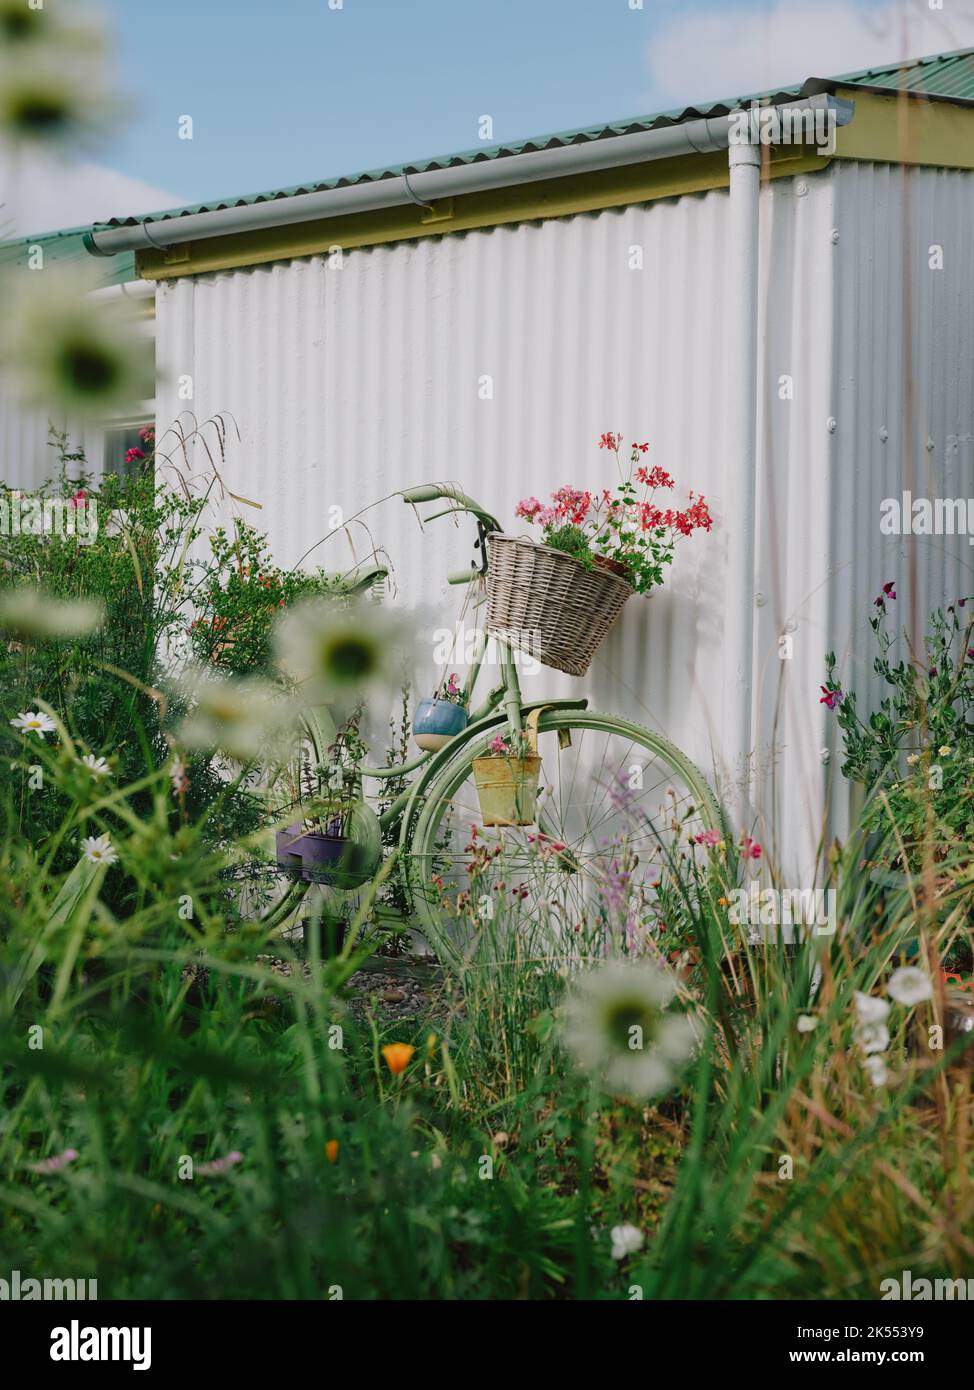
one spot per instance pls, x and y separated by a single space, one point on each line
349 384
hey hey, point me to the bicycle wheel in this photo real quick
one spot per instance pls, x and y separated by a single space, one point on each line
615 807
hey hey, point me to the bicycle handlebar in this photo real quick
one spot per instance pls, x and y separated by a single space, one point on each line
433 492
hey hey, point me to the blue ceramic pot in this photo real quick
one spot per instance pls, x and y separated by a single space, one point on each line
436 722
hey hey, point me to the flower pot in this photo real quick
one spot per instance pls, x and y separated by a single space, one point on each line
339 860
507 789
436 722
605 562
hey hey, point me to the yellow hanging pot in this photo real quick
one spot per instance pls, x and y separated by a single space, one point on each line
507 787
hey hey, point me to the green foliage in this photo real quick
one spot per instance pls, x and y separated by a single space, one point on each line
915 752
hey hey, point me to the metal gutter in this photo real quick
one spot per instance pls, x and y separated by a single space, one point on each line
701 136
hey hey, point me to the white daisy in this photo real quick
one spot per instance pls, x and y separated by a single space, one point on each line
243 718
807 1023
98 767
909 985
626 1240
31 613
99 850
617 1024
34 723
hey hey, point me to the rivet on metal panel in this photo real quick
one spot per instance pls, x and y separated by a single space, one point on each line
801 188
834 234
760 599
883 435
831 424
791 625
930 445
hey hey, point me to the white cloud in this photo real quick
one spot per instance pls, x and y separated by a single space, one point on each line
44 194
734 49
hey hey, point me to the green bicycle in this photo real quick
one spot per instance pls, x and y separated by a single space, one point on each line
613 801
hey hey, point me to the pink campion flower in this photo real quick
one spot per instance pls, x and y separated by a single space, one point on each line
79 498
830 697
889 589
708 837
750 848
54 1164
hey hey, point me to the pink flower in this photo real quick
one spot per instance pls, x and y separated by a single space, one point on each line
498 746
132 454
708 837
79 498
219 1165
610 440
528 508
890 589
54 1164
830 697
750 848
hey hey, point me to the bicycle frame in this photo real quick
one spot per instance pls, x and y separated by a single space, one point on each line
506 695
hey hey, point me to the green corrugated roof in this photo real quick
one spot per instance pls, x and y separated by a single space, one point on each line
949 76
63 248
944 76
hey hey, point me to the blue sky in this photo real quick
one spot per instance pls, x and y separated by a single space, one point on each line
283 91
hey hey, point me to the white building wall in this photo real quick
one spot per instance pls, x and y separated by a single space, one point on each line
350 383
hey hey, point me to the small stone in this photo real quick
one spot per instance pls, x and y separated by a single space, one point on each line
393 996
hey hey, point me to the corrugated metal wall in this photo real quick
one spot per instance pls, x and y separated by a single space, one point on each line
496 358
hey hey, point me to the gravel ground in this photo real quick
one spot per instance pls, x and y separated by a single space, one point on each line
401 991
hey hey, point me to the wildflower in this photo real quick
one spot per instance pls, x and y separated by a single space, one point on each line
912 759
909 985
339 650
610 440
53 88
219 1166
397 1056
498 746
34 722
945 750
872 1037
869 1009
77 499
29 612
889 589
331 1150
710 838
67 350
55 1163
132 454
616 1023
626 1240
750 848
876 1069
242 718
807 1023
98 767
99 850
830 697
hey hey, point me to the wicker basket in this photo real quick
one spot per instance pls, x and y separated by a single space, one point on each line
544 603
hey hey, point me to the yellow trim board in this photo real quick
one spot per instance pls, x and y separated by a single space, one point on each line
580 193
884 129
